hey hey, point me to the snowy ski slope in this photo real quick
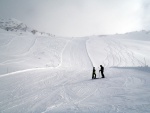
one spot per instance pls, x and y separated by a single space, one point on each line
53 74
126 50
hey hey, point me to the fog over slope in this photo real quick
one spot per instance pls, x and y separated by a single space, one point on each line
80 17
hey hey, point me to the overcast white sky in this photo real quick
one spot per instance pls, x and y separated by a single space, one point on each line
80 17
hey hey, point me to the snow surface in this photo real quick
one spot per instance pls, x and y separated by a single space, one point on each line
130 49
41 74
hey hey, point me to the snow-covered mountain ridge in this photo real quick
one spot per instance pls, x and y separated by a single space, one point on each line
15 25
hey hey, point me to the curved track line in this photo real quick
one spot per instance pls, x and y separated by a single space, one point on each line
88 52
33 69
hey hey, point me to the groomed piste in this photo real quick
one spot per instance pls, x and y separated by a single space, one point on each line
47 74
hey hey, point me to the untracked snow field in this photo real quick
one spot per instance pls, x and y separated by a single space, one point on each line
40 74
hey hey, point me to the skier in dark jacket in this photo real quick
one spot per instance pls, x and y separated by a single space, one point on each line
102 71
94 73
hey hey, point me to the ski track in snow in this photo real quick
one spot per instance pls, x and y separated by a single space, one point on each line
68 88
22 59
119 55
